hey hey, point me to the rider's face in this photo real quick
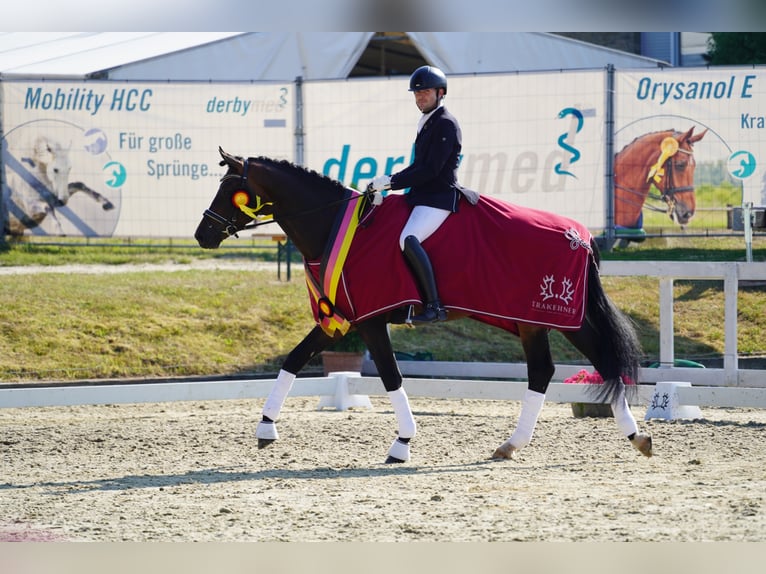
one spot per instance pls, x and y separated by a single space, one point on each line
426 100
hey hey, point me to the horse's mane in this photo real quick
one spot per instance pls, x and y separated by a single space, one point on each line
310 176
645 136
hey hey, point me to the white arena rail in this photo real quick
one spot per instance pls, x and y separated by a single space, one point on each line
666 271
727 387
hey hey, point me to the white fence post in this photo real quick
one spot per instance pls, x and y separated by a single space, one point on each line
667 347
730 361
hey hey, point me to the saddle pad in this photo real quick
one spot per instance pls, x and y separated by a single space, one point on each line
496 262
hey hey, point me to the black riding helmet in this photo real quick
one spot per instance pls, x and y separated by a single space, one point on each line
426 77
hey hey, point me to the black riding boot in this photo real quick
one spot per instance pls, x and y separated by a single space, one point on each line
418 260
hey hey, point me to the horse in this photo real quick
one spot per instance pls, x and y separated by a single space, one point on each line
39 184
664 159
312 210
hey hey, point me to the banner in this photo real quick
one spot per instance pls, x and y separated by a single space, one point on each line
723 109
98 158
535 140
127 159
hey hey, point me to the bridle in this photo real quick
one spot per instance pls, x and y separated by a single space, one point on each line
230 225
668 190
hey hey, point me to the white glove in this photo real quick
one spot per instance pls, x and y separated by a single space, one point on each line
381 183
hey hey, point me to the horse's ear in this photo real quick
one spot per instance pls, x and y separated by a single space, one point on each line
229 159
693 139
690 138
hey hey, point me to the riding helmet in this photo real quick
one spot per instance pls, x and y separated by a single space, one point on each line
426 77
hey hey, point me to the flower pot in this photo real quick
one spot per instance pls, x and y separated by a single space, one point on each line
333 361
580 410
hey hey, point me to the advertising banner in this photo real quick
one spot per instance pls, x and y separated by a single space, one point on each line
717 119
99 158
129 159
535 140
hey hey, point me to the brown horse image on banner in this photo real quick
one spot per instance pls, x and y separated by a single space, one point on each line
662 159
523 270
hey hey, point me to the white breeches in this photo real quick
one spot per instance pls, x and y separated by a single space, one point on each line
423 221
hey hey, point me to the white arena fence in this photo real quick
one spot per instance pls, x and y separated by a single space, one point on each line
726 387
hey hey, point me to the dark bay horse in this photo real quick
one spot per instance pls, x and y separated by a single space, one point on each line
309 207
664 159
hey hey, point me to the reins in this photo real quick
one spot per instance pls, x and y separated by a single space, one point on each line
305 212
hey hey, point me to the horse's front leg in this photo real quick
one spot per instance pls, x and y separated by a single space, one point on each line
374 333
80 186
540 370
311 345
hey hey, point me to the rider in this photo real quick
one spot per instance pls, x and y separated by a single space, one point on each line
432 179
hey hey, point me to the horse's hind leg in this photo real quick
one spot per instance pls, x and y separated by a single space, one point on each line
312 344
540 369
585 341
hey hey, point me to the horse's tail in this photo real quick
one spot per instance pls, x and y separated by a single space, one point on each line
619 348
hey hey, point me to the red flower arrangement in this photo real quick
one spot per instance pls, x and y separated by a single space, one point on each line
584 377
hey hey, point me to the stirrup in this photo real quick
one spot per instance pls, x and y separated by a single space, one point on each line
432 313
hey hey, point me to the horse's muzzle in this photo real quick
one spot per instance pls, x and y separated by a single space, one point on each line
207 237
682 213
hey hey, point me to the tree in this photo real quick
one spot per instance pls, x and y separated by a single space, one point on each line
736 48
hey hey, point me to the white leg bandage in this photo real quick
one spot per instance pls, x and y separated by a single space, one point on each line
404 418
531 405
623 417
278 394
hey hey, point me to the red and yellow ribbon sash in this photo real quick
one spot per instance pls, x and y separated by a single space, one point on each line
325 290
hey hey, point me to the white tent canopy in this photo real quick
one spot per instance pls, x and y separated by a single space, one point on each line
470 52
282 56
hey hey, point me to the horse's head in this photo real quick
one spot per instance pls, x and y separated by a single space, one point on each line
52 163
673 174
236 204
664 159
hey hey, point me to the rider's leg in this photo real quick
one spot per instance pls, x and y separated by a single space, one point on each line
422 223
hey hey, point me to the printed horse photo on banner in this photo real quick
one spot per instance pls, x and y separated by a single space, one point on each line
45 191
543 269
669 181
661 161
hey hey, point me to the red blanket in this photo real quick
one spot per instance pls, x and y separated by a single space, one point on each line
496 262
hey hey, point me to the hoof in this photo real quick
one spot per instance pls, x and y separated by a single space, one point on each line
643 444
394 460
505 450
399 452
264 442
266 433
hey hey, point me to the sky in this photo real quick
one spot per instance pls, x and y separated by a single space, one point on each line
379 15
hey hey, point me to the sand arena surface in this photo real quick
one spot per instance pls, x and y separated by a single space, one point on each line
191 471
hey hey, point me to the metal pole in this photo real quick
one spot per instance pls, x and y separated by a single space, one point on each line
300 135
609 231
747 217
3 205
